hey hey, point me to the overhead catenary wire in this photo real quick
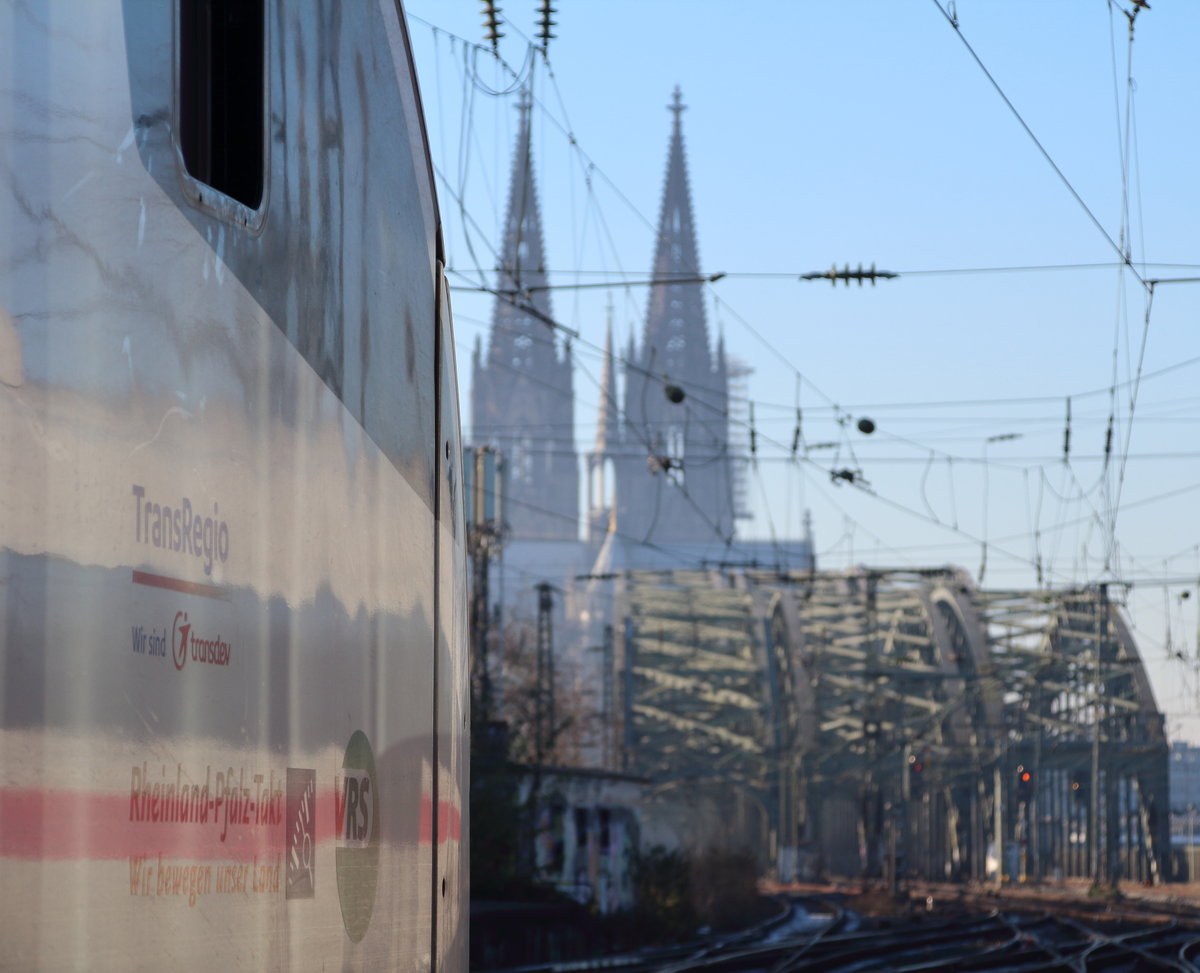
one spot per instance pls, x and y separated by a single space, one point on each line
571 136
568 131
1181 455
1084 438
793 275
1120 251
829 472
1125 128
900 506
856 408
843 411
587 163
647 442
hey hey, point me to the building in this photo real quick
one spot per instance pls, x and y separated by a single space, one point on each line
587 834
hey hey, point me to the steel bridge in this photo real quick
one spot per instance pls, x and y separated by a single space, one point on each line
897 723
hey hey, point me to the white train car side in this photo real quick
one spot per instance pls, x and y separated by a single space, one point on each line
232 628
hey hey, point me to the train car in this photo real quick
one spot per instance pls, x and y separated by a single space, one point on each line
233 678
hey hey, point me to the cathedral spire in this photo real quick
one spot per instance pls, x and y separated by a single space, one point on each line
601 461
677 106
676 332
683 441
522 399
519 337
606 422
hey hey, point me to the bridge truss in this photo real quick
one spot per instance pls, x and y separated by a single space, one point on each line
898 723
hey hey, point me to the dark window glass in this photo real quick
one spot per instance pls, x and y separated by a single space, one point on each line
221 95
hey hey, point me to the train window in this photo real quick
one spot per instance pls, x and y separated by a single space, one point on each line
221 104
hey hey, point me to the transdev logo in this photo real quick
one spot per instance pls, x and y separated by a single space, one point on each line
186 643
356 812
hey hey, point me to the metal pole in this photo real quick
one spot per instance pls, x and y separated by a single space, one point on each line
1191 834
544 718
1035 824
1097 863
483 540
998 822
628 739
480 617
608 704
1093 811
978 868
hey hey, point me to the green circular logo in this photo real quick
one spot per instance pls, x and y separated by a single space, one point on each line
356 797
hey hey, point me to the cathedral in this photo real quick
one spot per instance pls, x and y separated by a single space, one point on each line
661 480
660 471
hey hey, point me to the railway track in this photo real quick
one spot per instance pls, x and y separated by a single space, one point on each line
821 936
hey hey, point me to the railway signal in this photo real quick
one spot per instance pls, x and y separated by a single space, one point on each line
916 775
1024 783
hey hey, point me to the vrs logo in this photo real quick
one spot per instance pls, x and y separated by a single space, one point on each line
354 816
356 813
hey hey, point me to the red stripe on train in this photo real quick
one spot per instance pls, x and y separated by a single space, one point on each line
449 821
49 825
177 584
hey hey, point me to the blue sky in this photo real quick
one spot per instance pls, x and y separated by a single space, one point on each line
866 132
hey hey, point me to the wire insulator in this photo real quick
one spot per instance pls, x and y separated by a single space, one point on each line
1067 433
491 23
833 275
545 23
